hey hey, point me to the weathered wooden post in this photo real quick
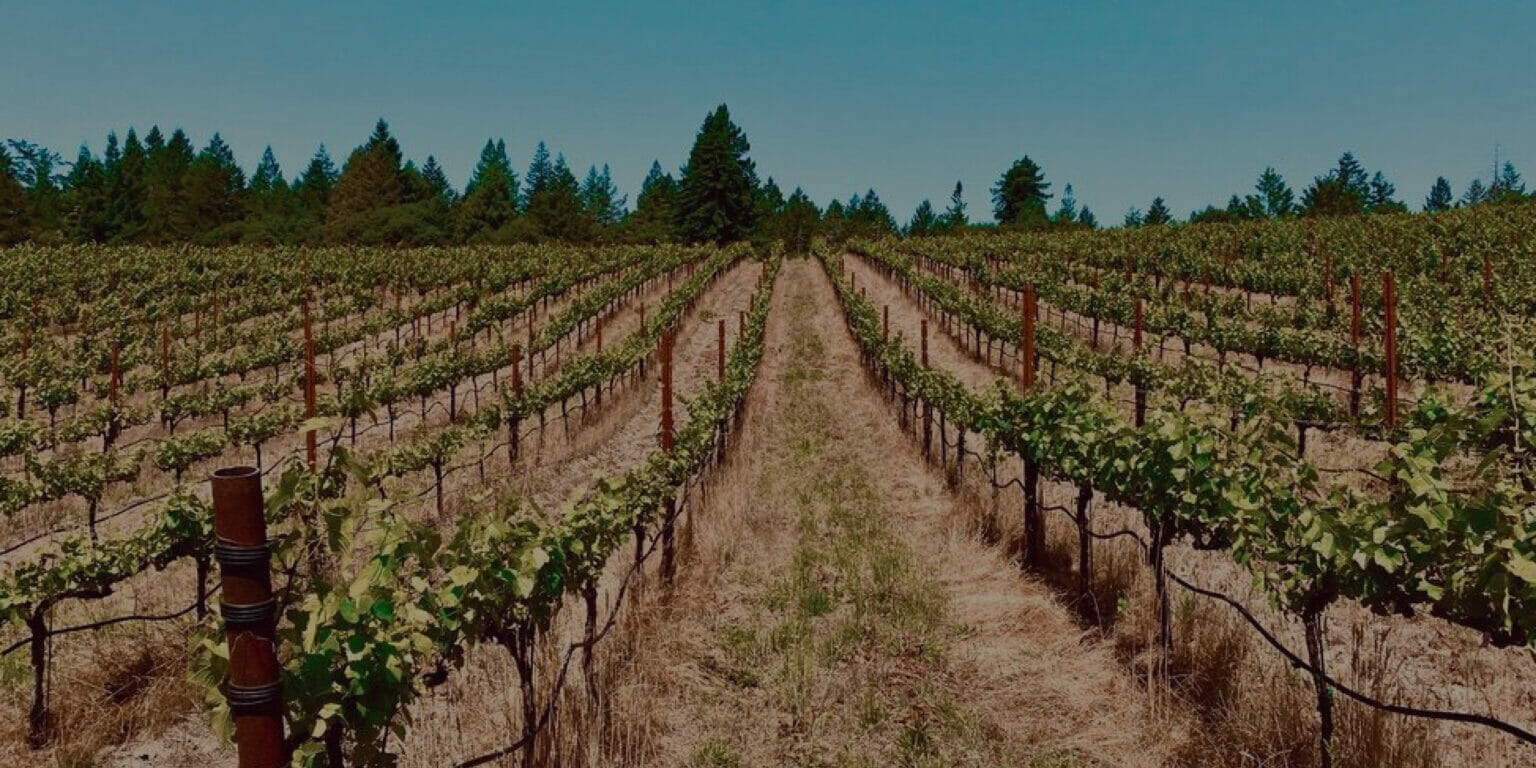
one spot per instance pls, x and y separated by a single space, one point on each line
1389 301
669 512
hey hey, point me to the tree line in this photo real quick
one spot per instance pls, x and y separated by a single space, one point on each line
161 190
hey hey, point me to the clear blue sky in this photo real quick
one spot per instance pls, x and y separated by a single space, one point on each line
1188 100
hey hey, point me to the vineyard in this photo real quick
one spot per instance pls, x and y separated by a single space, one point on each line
474 482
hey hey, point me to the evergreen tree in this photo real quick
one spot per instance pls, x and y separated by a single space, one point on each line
717 193
1018 199
166 216
490 197
1476 194
215 186
1440 196
1157 214
1275 195
35 168
1507 187
954 216
372 179
1066 216
86 217
925 222
268 176
1086 219
600 198
540 170
1380 198
15 207
655 209
314 185
555 210
834 221
1133 218
868 217
437 181
1352 175
799 222
125 191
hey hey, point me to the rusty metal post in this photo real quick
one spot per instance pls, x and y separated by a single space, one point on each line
1389 300
254 688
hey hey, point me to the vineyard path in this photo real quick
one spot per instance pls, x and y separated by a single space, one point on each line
838 604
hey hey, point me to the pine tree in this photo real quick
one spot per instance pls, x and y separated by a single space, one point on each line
717 193
15 208
166 216
86 218
867 216
655 209
437 181
1086 219
1019 197
125 191
268 176
1476 194
215 190
925 222
954 215
1157 214
35 168
1275 195
490 197
1133 218
540 171
799 222
769 205
1507 187
315 183
1380 198
555 211
372 179
600 198
1440 196
1066 216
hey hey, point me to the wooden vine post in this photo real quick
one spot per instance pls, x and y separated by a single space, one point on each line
1389 303
514 423
1488 281
114 381
885 323
1354 341
254 689
1034 525
720 352
667 436
309 387
927 407
1140 383
165 361
741 325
